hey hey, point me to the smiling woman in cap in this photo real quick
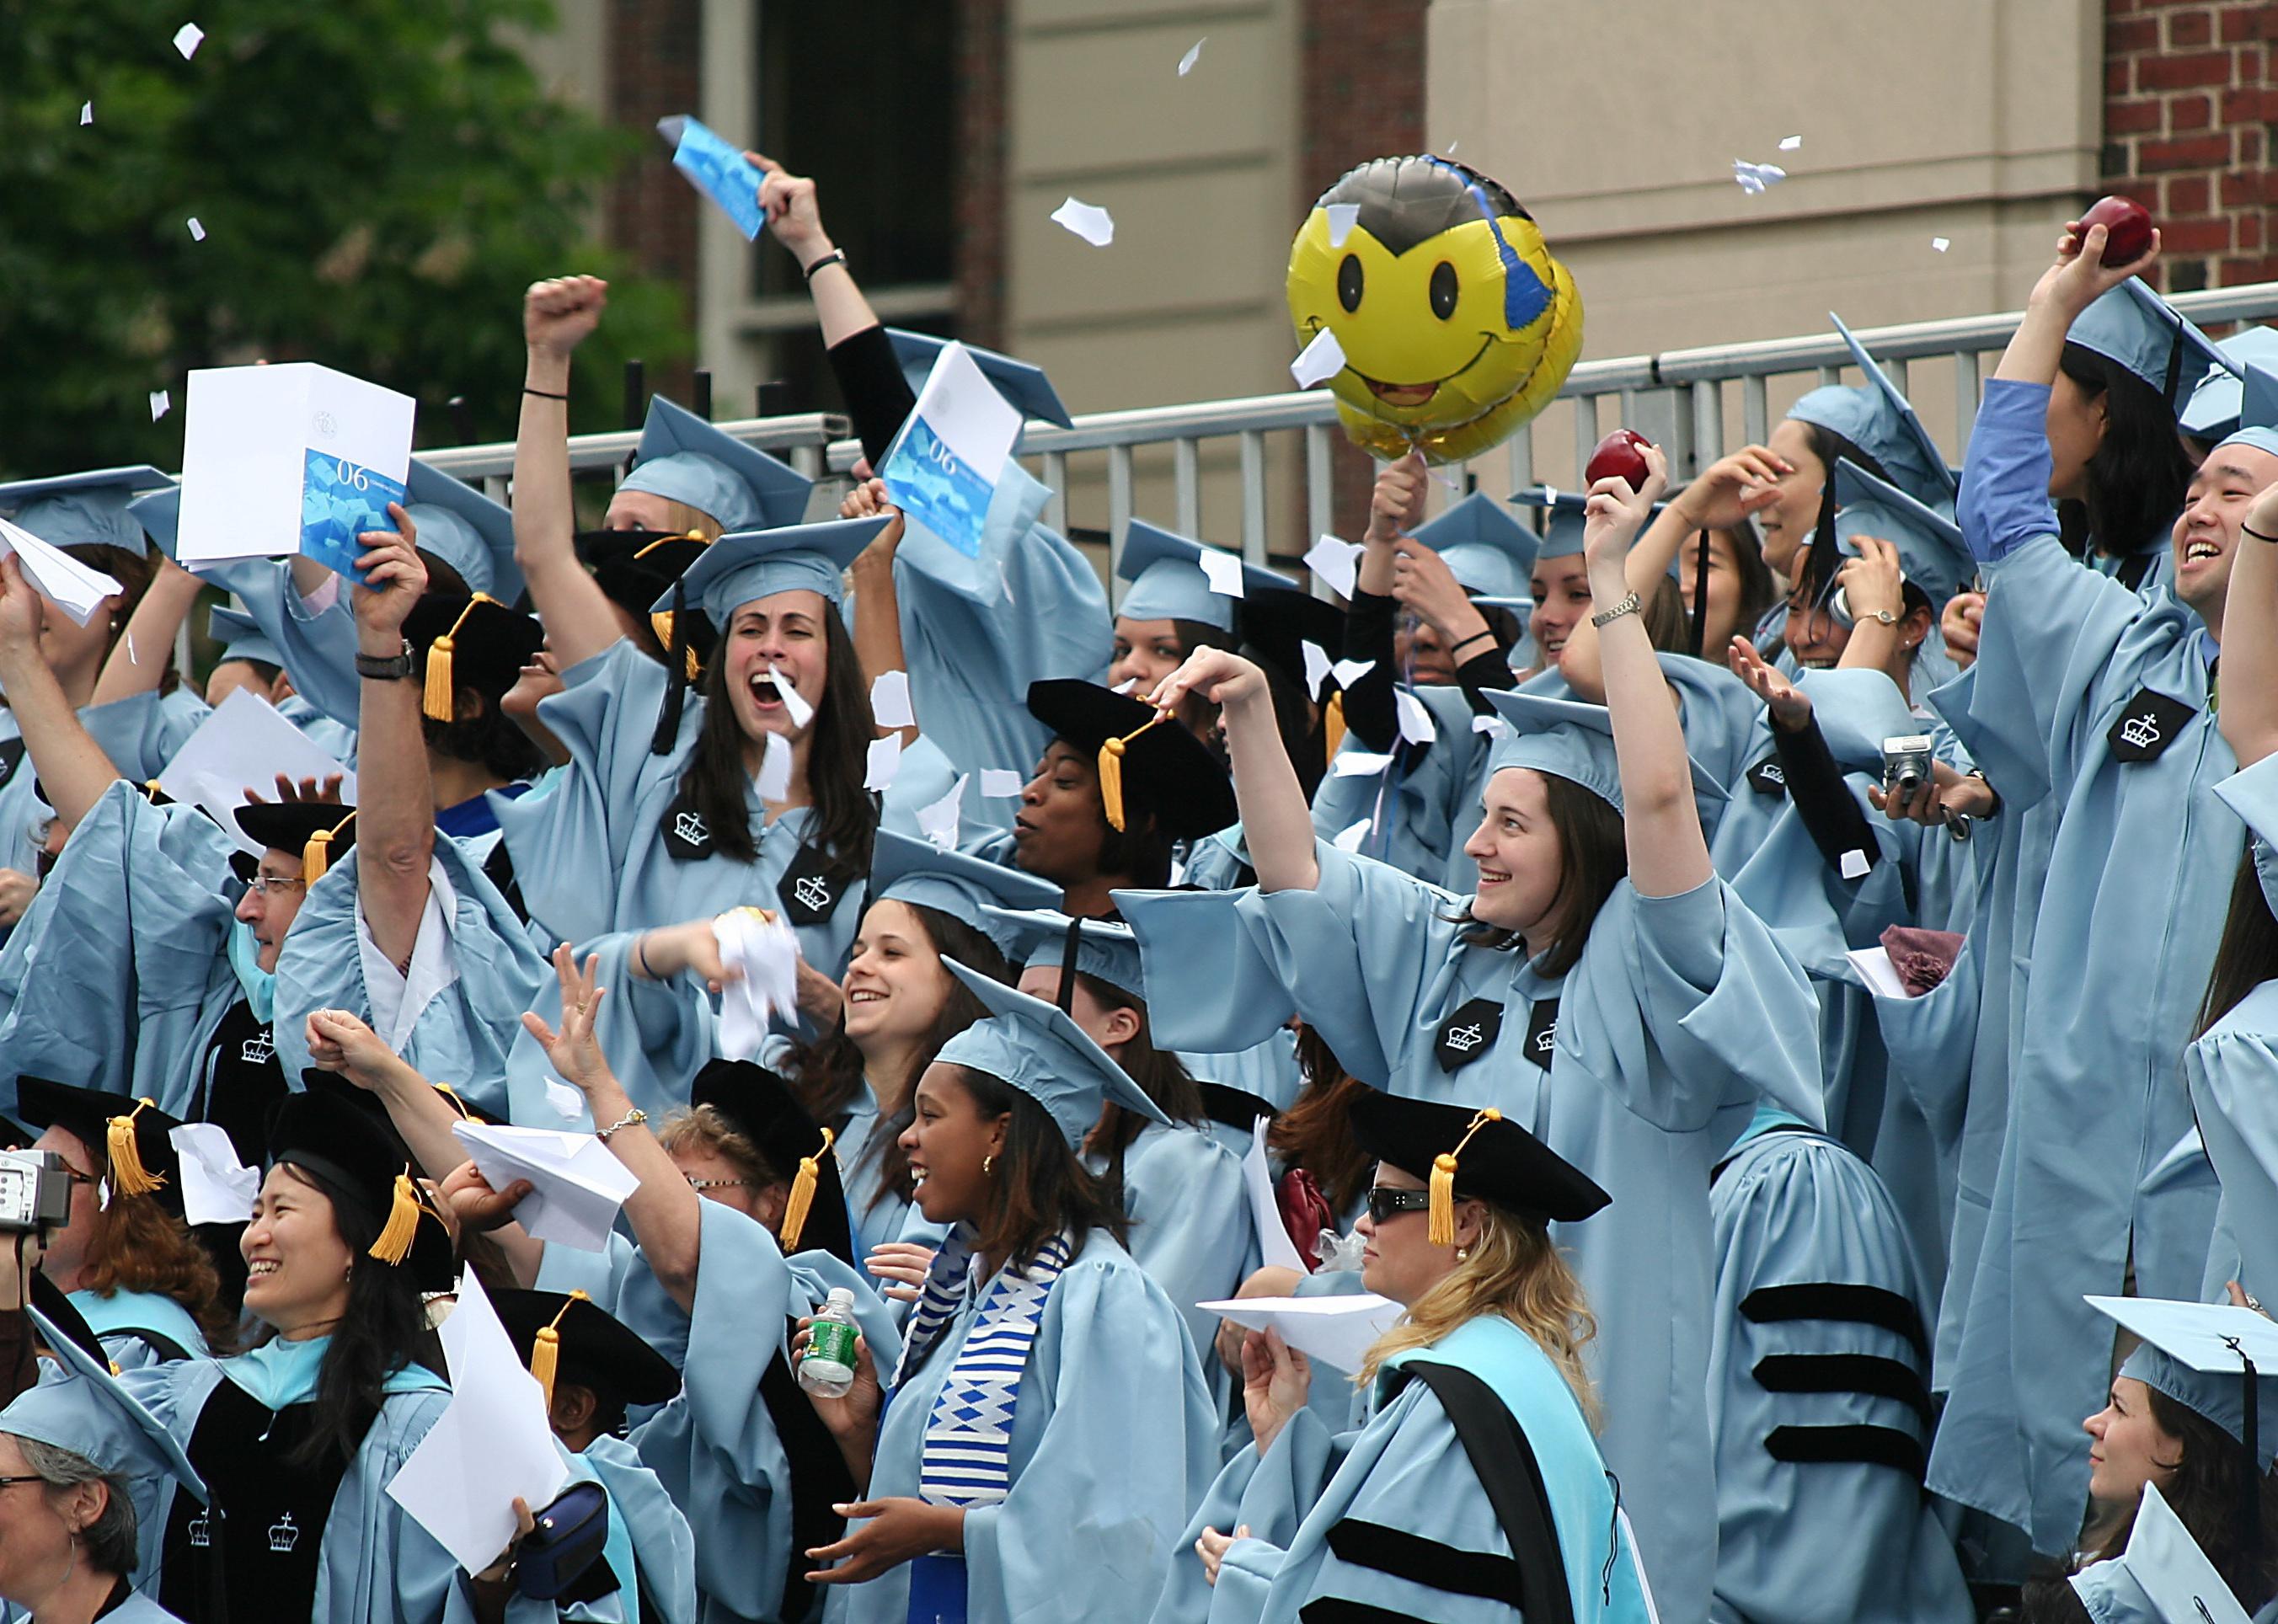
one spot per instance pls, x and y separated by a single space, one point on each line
1476 1478
1036 1343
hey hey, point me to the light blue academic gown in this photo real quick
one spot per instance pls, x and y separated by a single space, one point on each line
317 647
462 1033
1191 1225
1406 1470
1682 1011
651 1548
1417 806
2139 879
376 1565
976 631
714 1448
1802 1541
1114 1438
117 1316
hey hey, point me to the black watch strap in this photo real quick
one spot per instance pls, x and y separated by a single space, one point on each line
385 668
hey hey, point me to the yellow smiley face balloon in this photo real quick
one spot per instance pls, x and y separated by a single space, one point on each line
1457 324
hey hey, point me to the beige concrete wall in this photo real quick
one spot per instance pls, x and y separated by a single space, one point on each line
571 58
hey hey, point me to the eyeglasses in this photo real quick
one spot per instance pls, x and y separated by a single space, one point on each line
268 885
1384 1201
716 1184
7 1482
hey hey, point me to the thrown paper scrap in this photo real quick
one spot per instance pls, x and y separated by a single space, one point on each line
890 700
1316 667
1319 362
764 954
1276 1250
1342 218
938 822
1754 178
1337 561
1789 144
775 769
188 39
1494 725
1350 671
1223 571
86 112
795 702
1415 722
1126 685
1350 839
1000 783
1941 243
197 232
160 403
885 760
1854 863
568 1103
1088 221
217 1188
1194 55
1359 764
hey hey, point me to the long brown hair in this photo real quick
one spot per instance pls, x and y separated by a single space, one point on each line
2248 953
138 1246
1594 856
837 752
1316 1132
1515 1270
1041 1188
1161 1075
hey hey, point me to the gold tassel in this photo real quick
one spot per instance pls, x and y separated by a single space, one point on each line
316 855
1332 726
546 1349
441 699
660 622
1111 773
1439 1229
404 1210
129 1175
802 1192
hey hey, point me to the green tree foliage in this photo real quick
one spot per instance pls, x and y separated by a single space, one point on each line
378 180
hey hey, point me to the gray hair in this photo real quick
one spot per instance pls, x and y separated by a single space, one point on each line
109 1541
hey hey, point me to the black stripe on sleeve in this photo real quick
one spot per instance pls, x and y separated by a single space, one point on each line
1859 1373
1423 1561
1337 1610
1864 1305
1857 1446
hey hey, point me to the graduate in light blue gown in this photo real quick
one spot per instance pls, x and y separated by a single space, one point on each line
1181 1187
1664 1009
1473 1491
1001 1473
1818 1395
133 1271
592 1369
298 1470
406 931
72 1547
249 660
2090 698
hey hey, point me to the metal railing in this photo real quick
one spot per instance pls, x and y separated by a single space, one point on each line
1680 397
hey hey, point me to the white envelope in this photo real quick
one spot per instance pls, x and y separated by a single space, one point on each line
1275 1249
56 575
246 742
1337 1331
576 1185
248 439
493 1443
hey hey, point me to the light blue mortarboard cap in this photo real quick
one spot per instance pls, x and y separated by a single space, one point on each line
1565 738
903 869
1484 548
739 568
2134 326
684 459
1026 387
453 521
1932 551
2194 1352
2257 413
240 638
1105 949
2214 409
158 516
1028 1045
86 509
79 1405
1918 465
1167 583
1563 530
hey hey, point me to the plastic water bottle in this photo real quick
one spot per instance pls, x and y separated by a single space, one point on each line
826 1369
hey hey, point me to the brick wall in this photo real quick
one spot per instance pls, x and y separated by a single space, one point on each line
654 49
2189 116
1362 97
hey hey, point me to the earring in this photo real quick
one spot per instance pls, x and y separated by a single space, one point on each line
988 1165
1463 1254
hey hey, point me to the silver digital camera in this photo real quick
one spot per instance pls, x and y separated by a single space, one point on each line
1906 763
34 1191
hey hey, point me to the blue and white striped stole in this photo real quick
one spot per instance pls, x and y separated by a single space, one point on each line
967 1456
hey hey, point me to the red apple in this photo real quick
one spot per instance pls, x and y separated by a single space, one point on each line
2127 229
1620 455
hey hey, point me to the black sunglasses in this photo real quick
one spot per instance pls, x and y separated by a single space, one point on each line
1384 1201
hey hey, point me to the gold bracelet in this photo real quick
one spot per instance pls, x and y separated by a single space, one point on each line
625 1121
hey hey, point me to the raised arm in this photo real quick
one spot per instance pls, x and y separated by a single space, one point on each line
1669 854
878 606
1728 491
395 803
556 316
2249 714
138 661
1396 507
73 770
1275 821
795 221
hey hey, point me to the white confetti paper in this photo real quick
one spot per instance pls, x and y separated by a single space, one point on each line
1000 783
1194 55
938 822
1359 763
1222 570
1337 561
1415 722
1350 671
86 113
795 702
890 700
1349 840
160 404
197 232
1088 221
1941 243
885 760
188 38
1316 667
775 769
1754 178
1319 362
1342 218
1790 143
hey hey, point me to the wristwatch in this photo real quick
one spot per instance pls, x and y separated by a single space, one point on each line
1885 617
385 668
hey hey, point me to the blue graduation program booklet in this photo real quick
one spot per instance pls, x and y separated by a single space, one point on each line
942 469
719 171
339 501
